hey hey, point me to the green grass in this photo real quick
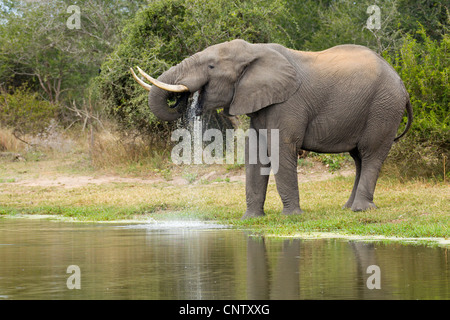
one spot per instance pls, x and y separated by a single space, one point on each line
412 209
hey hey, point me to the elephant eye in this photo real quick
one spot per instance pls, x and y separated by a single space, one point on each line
210 66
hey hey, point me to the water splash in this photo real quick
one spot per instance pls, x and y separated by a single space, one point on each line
177 225
192 108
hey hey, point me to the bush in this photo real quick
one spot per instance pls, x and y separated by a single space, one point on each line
23 111
423 66
8 143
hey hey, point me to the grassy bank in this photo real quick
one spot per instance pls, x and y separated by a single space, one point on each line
412 209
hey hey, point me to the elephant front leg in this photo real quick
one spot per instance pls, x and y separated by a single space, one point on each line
286 179
255 182
255 190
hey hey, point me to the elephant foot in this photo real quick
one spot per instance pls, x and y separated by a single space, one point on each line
289 212
348 205
252 214
363 206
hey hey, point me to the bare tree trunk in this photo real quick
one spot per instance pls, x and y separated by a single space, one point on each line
91 131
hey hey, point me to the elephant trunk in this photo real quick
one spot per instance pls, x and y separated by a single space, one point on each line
176 84
158 100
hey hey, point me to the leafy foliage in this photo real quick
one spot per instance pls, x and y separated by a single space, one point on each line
429 15
24 111
38 48
424 67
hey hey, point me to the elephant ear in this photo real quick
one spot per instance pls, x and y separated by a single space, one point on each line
270 78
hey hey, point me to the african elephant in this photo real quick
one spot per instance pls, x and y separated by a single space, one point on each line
343 99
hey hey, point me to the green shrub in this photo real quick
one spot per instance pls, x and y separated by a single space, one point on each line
424 67
23 111
333 162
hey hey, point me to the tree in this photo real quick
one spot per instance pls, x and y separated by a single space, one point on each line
300 20
39 45
428 15
345 22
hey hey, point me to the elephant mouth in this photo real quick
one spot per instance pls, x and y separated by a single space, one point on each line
178 101
187 101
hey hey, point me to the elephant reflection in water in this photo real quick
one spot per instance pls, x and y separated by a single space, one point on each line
283 282
366 256
286 276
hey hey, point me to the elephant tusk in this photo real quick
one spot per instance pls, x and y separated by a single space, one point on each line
142 83
162 85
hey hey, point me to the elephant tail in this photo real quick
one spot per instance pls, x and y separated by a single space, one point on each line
410 119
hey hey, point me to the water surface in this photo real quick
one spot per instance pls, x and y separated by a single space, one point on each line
196 260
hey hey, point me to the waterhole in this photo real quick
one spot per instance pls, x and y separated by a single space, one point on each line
198 260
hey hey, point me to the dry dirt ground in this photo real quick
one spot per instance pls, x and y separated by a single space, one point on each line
51 178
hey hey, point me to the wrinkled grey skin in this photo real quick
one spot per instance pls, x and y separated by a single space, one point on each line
344 99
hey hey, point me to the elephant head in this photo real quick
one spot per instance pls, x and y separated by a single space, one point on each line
238 76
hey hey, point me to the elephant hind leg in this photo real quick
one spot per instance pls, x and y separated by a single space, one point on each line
373 147
370 169
356 157
366 186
